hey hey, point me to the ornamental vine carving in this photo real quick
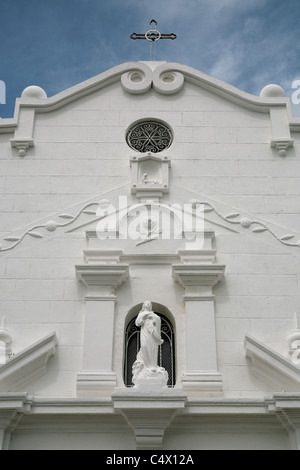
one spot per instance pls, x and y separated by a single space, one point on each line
235 218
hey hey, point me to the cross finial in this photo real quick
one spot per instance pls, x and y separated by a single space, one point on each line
153 35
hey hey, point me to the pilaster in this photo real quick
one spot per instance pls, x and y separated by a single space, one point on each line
281 136
23 138
101 279
198 278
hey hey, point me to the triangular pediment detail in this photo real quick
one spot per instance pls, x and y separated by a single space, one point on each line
271 367
28 365
83 219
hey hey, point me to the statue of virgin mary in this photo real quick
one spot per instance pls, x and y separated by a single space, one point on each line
146 365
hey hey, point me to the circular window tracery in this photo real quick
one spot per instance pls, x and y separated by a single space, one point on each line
149 136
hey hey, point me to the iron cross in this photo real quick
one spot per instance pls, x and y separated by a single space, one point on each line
153 34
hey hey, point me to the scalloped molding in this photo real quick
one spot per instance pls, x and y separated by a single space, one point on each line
271 367
28 365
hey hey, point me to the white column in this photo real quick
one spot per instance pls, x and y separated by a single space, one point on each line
97 377
201 373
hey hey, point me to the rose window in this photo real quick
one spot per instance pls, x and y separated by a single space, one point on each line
149 136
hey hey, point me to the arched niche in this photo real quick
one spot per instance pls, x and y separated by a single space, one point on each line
166 352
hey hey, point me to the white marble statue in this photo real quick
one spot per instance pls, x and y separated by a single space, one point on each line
146 366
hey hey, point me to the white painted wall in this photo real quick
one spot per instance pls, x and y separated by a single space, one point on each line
221 151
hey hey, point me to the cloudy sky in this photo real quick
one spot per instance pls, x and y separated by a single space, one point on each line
58 43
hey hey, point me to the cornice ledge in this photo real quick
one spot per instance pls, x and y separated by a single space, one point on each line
295 125
270 366
16 401
76 405
149 397
102 275
226 406
8 125
197 274
28 365
284 401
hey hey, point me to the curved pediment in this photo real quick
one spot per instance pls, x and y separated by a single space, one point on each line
139 77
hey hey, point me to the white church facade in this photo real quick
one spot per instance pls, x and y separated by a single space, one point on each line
149 262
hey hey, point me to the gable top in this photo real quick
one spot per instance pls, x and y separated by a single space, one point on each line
138 77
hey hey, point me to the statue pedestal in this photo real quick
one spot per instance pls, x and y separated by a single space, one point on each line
149 407
153 378
150 385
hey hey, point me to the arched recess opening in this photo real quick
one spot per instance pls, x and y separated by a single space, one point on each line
166 352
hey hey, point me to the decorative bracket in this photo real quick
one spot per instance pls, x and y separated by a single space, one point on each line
279 118
282 145
149 412
22 145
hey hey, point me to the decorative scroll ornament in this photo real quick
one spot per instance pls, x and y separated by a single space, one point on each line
164 79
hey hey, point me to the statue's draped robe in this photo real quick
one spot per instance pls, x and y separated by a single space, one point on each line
150 338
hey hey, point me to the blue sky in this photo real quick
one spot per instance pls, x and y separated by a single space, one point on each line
59 43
